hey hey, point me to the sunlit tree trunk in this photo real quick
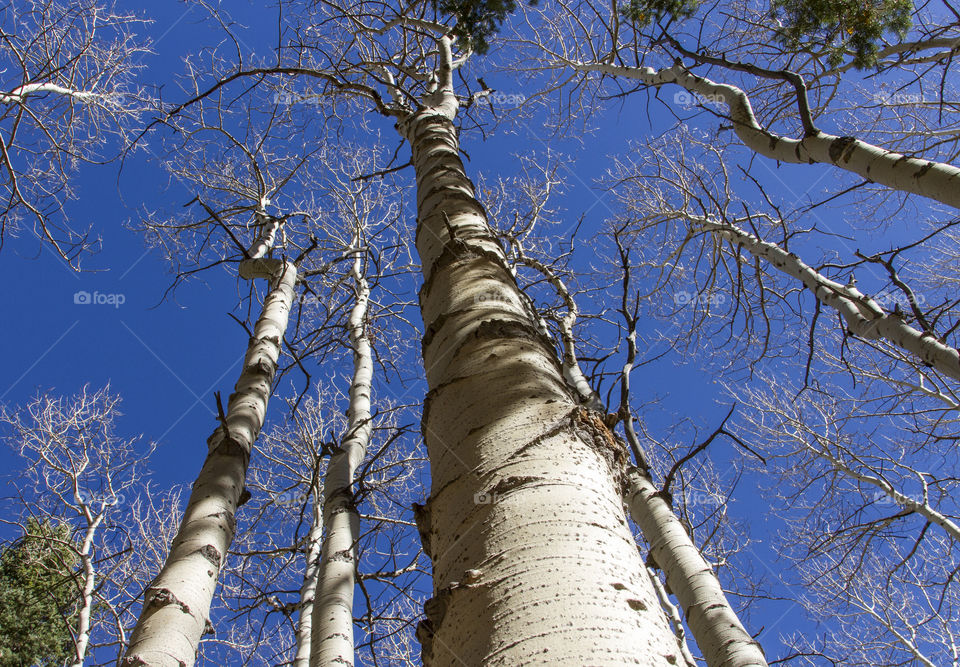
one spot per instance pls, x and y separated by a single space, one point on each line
82 633
533 561
715 626
177 603
308 589
332 641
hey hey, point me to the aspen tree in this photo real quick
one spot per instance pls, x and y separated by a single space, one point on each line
177 603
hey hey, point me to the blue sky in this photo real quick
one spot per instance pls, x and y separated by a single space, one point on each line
167 357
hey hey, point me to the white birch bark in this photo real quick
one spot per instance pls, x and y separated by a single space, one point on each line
937 180
712 633
18 95
82 632
721 637
674 615
864 316
332 641
308 589
176 606
533 562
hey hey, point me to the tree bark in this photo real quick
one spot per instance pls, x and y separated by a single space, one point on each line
177 603
308 590
332 641
533 561
715 626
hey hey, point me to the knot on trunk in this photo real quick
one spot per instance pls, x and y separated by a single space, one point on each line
262 267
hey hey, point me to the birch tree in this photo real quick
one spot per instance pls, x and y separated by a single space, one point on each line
176 605
533 558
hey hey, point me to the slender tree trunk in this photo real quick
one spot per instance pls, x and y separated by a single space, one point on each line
533 561
332 642
715 626
177 603
82 635
676 622
308 589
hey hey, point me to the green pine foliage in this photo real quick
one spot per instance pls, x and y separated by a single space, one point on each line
477 20
645 12
37 597
839 27
842 26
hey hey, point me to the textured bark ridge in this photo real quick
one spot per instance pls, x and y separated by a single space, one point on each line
719 634
177 603
533 561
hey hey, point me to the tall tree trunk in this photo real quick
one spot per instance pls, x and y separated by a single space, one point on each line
533 561
177 603
308 589
332 642
714 624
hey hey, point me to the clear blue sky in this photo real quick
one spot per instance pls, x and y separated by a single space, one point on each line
166 358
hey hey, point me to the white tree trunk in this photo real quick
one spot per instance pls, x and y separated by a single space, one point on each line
533 561
332 642
937 180
719 634
177 603
674 615
82 633
308 589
